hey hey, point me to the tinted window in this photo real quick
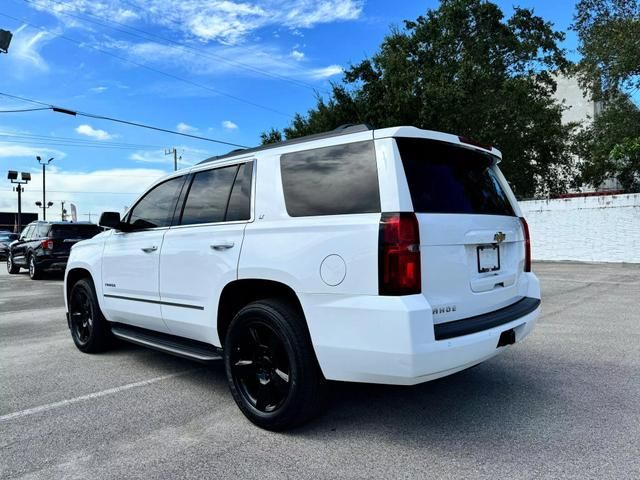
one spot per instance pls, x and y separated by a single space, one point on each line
239 207
445 178
26 233
8 237
208 196
42 230
74 230
331 181
156 208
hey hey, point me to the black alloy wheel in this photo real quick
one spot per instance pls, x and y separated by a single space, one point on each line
12 268
81 315
260 366
271 367
89 329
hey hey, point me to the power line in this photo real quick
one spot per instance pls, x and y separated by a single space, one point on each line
76 140
23 110
118 120
153 69
170 42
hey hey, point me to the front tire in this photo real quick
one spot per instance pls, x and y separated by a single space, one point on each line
271 368
12 268
89 329
34 269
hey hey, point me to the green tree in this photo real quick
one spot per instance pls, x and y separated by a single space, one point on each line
609 146
609 34
464 68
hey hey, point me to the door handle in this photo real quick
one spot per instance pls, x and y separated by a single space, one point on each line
222 245
149 249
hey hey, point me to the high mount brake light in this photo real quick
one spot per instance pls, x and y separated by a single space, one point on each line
399 254
527 244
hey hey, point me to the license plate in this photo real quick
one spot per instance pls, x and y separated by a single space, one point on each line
488 258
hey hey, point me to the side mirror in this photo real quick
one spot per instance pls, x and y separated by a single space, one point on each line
110 220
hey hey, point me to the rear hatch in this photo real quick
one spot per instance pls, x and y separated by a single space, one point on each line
471 241
64 236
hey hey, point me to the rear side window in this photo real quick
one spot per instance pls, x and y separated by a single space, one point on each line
156 208
239 207
445 178
208 196
42 230
74 231
337 180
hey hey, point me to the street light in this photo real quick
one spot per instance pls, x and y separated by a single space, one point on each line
44 164
12 175
5 40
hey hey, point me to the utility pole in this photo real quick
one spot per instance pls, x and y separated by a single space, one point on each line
174 152
44 184
26 178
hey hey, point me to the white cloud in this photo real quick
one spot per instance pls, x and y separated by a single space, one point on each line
89 131
24 53
229 125
326 72
185 128
99 89
297 55
12 150
226 21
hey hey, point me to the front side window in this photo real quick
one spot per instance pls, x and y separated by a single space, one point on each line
208 196
337 180
156 208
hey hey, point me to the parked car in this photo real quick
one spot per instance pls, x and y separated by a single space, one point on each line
393 256
5 240
44 246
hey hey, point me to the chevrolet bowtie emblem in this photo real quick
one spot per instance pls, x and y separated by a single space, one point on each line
499 237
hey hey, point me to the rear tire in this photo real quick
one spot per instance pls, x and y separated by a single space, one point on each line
271 368
34 270
89 329
11 267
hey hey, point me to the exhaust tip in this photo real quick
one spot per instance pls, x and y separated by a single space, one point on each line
507 337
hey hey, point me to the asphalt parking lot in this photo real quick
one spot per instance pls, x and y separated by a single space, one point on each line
563 404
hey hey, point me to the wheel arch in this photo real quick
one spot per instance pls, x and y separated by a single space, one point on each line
238 293
72 277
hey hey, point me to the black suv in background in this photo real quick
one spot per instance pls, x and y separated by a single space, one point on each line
45 246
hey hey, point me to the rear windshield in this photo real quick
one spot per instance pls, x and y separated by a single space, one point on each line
445 178
74 231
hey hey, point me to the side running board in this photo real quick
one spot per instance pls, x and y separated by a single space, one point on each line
182 347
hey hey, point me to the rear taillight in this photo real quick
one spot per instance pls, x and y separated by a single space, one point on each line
527 245
47 244
399 254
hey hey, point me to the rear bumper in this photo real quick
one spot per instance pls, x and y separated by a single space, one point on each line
393 340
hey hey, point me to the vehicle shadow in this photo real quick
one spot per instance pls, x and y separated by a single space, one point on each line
483 402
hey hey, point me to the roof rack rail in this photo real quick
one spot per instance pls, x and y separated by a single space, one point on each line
341 130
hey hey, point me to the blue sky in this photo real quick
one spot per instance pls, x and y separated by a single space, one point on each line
237 68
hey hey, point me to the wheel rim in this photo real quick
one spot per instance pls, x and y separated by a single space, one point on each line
81 316
9 266
32 267
260 367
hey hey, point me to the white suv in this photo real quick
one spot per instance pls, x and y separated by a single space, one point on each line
391 256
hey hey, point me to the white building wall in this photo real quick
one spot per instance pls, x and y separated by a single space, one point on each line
589 229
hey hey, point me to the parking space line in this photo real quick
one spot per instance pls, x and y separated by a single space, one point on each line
63 403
